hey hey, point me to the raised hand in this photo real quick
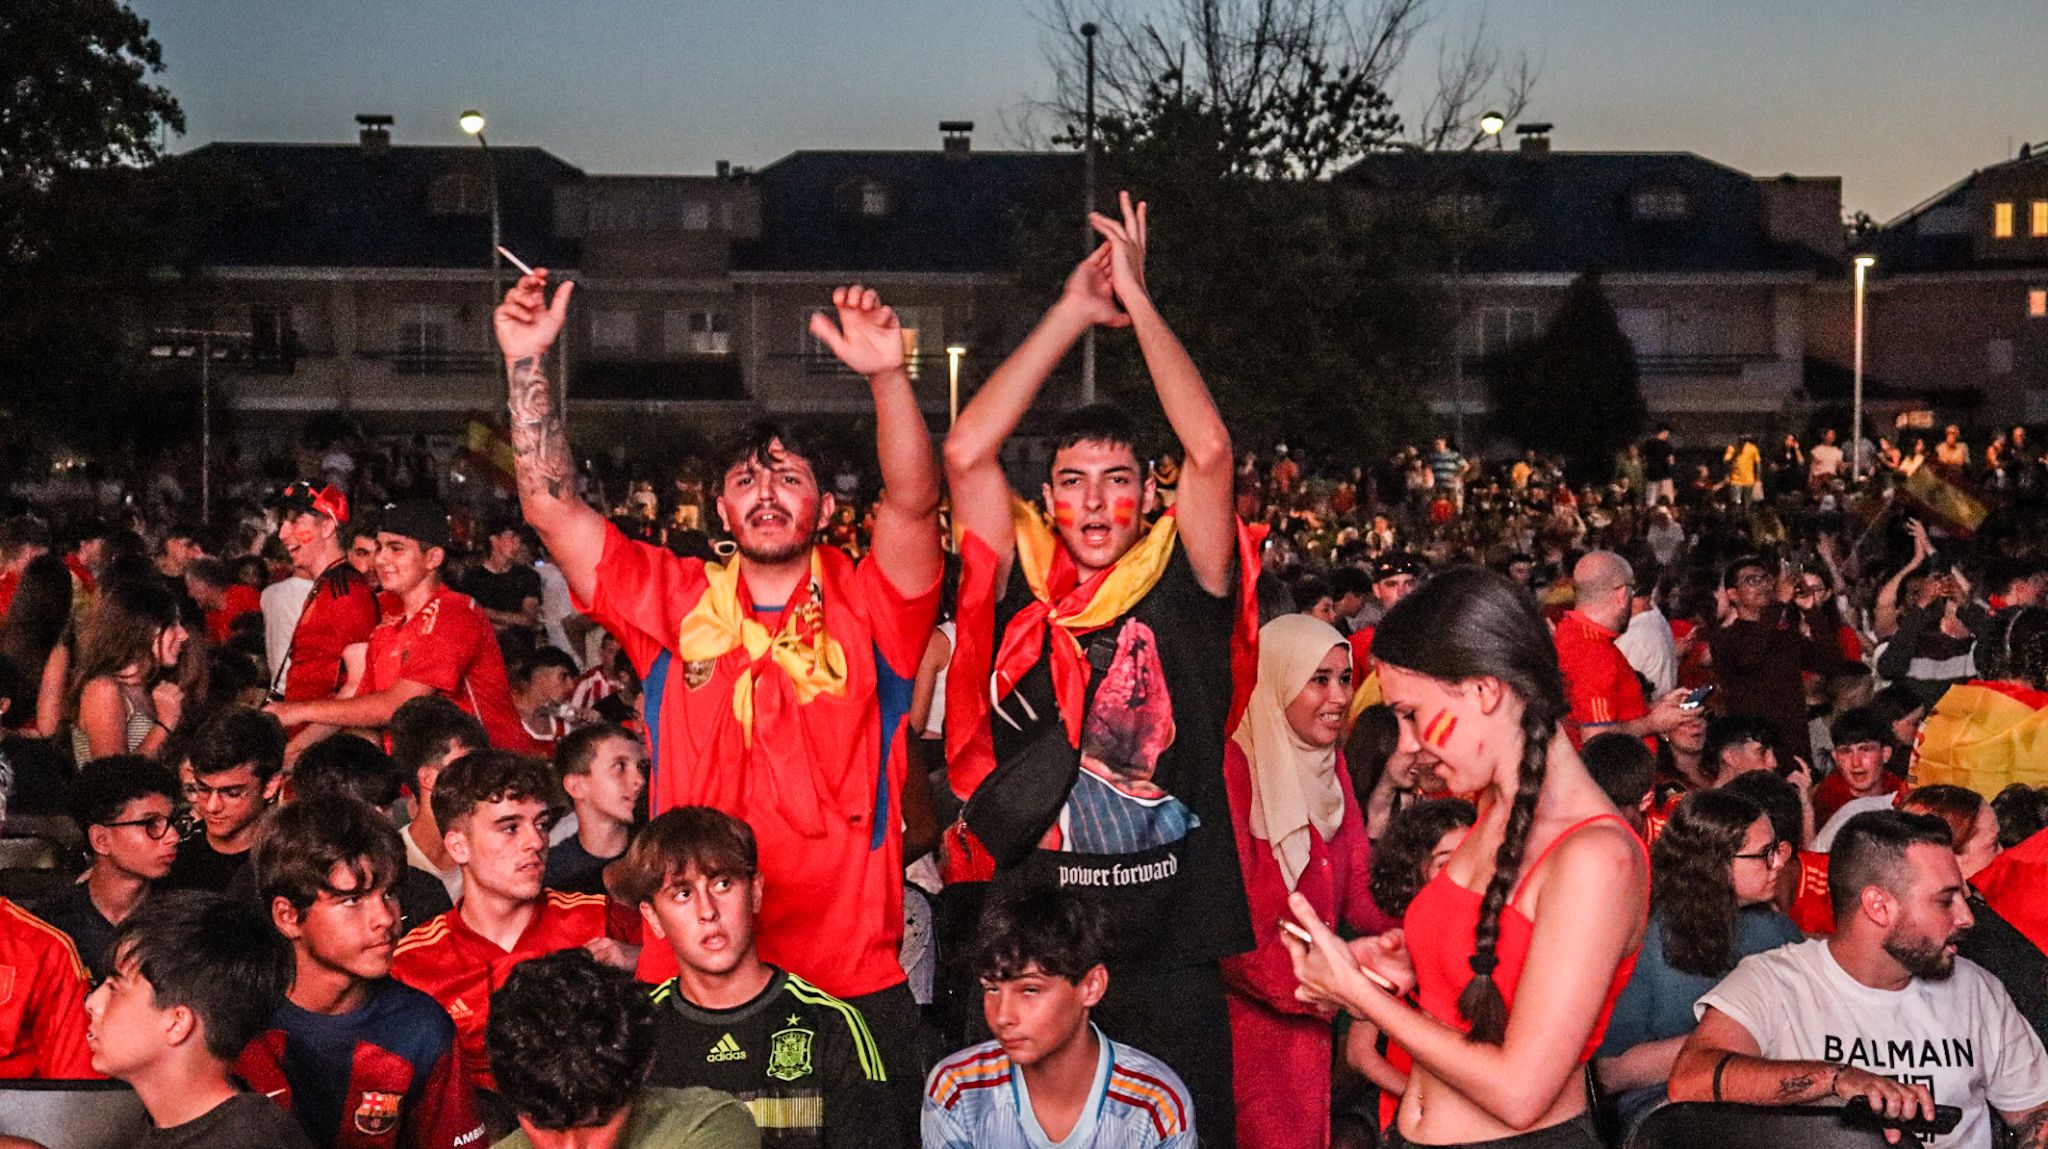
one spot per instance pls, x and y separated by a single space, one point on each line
1091 293
868 337
1127 237
526 323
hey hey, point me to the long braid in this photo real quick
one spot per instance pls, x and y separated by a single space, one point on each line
1481 1005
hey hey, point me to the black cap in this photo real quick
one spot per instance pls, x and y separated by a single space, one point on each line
1395 565
423 522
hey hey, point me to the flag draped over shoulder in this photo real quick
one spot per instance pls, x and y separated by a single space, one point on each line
987 667
2013 882
1984 736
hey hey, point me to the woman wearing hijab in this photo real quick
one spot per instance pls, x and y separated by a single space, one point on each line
1296 832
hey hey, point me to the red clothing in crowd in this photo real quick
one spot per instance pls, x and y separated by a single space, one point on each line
1280 1046
820 782
42 1000
2013 882
449 646
1599 683
1833 793
241 600
1811 909
461 968
341 610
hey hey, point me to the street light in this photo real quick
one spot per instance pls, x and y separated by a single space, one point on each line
472 122
1491 124
1863 265
1088 237
954 353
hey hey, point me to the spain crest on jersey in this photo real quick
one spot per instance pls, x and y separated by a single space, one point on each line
377 1113
789 1054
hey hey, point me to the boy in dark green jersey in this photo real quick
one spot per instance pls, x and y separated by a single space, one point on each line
800 1059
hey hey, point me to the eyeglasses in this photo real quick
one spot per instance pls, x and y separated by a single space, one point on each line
196 792
1768 855
156 825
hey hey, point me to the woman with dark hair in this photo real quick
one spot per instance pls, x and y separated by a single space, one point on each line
1714 871
36 638
1544 900
1994 942
1298 832
121 700
1384 777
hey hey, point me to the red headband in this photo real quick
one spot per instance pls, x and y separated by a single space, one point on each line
332 503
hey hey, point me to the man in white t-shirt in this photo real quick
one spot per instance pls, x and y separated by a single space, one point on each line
1824 459
1883 1010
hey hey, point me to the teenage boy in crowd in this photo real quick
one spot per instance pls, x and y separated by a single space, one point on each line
338 613
1140 640
603 769
776 683
494 810
352 767
126 808
427 734
195 976
802 1060
237 770
362 1061
42 1015
1050 1077
573 1042
436 642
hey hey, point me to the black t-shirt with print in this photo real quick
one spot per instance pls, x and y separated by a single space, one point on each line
244 1121
1154 846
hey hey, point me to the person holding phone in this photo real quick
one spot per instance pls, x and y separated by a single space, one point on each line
1545 900
1883 1010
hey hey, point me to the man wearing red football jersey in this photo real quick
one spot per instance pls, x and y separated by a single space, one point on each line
326 656
42 1014
776 683
494 811
440 642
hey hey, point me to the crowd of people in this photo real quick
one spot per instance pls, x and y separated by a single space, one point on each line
1170 797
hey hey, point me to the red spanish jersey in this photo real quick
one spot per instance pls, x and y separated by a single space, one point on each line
42 1000
461 968
341 610
821 781
449 645
1598 681
241 600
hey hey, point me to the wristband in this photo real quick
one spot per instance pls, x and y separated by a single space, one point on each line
1718 1067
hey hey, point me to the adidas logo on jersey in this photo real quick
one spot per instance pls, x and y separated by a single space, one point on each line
726 1050
458 1011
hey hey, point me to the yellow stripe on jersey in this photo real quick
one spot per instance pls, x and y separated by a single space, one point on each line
64 939
863 1041
788 1112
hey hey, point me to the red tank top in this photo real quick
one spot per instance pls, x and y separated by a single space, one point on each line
1440 925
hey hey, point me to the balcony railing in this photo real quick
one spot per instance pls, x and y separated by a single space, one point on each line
435 361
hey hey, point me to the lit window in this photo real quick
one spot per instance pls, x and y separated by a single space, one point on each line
2001 220
874 200
2037 302
1660 204
696 215
2037 218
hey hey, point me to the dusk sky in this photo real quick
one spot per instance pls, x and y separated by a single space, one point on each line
1898 97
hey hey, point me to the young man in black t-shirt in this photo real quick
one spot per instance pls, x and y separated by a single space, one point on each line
126 807
603 769
1083 615
505 583
237 770
800 1059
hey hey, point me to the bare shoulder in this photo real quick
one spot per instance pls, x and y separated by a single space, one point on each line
1602 864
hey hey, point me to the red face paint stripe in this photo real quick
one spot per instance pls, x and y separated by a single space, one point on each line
1439 730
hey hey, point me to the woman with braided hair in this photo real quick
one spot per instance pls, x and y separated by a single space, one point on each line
1514 954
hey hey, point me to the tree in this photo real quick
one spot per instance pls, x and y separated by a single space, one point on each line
1574 390
1317 317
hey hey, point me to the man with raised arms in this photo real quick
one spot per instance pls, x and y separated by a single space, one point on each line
1129 637
776 683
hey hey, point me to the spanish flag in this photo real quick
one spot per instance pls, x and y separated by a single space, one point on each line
1983 736
1945 500
491 450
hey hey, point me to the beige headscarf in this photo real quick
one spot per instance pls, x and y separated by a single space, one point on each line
1294 785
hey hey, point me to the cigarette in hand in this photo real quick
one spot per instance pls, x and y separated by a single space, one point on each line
1294 929
515 260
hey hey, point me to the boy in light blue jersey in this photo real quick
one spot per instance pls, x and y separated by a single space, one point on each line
1050 1077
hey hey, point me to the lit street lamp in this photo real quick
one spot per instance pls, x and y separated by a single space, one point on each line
954 354
472 122
1863 265
1491 124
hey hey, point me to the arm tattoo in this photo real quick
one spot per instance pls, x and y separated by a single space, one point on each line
2030 1129
1795 1085
538 442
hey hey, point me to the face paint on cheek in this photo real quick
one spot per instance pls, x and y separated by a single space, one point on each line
1063 514
1125 512
1437 731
